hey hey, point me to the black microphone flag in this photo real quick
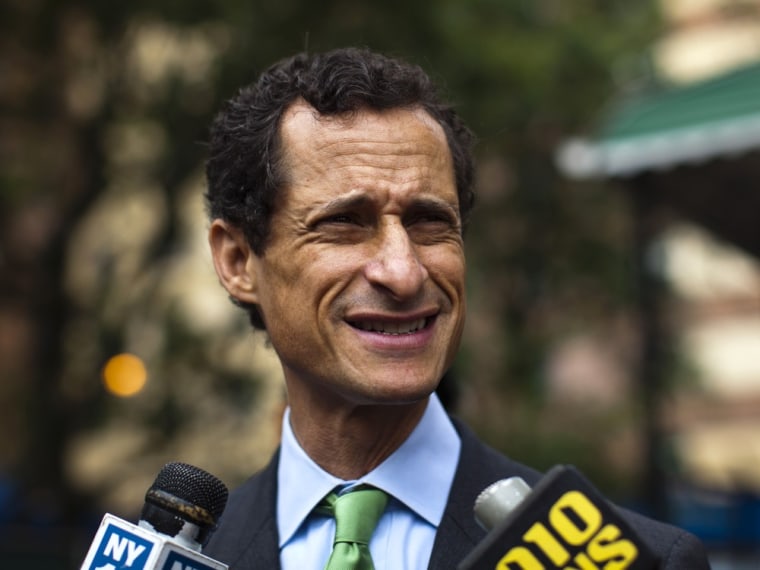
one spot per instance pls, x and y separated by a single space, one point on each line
564 523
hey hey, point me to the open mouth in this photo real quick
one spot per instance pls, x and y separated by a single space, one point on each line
392 328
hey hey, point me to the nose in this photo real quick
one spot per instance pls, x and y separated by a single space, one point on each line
395 265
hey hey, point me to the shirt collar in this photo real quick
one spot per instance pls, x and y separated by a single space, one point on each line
419 473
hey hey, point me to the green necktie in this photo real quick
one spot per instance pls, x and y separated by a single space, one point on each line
356 516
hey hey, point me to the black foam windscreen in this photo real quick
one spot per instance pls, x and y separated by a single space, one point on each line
184 494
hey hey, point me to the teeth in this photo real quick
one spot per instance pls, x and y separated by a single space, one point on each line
391 328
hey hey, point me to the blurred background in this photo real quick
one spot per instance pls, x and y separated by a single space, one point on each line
613 257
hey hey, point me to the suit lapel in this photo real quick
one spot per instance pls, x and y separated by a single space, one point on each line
478 467
247 537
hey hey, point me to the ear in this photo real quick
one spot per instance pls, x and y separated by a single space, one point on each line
234 261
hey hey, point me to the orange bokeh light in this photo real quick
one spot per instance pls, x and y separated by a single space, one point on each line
124 375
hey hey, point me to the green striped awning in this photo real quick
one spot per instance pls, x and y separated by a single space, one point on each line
715 118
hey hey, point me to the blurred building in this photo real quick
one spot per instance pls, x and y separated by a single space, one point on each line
706 37
688 154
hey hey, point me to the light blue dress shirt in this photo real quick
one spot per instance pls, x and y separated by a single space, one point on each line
417 476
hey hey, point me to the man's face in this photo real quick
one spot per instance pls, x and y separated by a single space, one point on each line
361 284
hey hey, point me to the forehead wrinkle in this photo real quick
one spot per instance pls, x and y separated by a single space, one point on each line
353 171
356 155
388 160
360 146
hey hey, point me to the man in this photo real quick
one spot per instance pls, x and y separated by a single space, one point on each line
338 188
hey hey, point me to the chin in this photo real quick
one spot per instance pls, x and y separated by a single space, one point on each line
406 393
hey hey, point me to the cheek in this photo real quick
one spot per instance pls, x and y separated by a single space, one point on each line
278 293
303 288
447 267
289 270
326 272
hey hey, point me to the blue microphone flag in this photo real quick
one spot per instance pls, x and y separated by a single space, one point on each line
120 545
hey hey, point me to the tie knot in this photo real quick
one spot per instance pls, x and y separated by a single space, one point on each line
357 514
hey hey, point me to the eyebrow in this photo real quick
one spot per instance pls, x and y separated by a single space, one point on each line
434 205
355 199
359 199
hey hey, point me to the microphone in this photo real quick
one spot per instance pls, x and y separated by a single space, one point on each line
181 511
563 523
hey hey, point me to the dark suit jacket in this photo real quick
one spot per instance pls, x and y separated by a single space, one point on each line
247 535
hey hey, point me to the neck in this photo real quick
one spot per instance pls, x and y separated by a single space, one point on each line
352 441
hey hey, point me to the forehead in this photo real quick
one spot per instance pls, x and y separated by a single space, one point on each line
397 143
302 118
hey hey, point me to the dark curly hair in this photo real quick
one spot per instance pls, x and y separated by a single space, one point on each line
244 168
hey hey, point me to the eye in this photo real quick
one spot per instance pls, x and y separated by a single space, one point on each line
432 223
340 224
433 218
339 219
344 228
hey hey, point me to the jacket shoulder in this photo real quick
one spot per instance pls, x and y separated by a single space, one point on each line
481 465
246 536
676 548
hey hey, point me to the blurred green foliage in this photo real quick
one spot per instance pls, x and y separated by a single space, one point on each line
105 97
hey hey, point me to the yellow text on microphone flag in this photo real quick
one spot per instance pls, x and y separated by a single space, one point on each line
124 375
